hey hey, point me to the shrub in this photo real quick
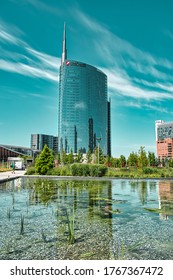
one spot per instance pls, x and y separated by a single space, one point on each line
94 170
149 170
77 169
30 170
86 170
63 171
74 169
54 172
98 170
60 171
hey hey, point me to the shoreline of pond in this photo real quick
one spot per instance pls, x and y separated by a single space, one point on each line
10 177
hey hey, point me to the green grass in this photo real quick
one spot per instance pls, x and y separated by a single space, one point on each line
137 173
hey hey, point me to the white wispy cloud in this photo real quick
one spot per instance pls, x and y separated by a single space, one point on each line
121 56
120 83
26 60
48 60
42 96
147 106
38 4
28 70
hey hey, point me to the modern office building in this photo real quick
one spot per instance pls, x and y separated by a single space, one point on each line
164 139
39 140
84 110
7 151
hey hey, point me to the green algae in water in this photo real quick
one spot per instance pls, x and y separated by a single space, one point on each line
159 211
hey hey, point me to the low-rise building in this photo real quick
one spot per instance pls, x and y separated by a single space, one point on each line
164 139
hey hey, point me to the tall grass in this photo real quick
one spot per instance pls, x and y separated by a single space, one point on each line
71 229
136 173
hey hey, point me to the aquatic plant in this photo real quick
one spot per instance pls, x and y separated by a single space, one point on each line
13 200
21 224
71 230
160 211
8 213
121 253
43 236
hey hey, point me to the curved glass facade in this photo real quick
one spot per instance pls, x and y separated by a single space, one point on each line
83 107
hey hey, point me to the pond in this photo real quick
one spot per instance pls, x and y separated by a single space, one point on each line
86 219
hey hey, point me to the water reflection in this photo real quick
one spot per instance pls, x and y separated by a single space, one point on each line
165 190
99 218
71 199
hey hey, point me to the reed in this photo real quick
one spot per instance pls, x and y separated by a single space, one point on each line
22 224
43 236
71 230
124 250
8 213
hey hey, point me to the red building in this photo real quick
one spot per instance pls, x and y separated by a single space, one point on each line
164 139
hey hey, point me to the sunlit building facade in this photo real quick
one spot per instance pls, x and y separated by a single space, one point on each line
164 139
84 110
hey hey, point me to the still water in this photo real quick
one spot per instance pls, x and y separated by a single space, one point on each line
86 219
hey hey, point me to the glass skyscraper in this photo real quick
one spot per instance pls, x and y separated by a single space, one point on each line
84 111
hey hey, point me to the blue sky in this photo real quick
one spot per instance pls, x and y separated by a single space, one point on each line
130 40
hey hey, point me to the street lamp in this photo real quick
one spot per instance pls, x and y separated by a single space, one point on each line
98 139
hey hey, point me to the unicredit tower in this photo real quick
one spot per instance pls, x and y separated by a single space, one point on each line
84 110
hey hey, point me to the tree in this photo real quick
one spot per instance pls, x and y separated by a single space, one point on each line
132 159
151 159
122 161
64 157
99 155
79 156
116 162
142 157
158 162
89 156
109 161
165 162
171 163
44 161
70 157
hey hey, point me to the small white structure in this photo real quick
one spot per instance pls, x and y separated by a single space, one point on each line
17 161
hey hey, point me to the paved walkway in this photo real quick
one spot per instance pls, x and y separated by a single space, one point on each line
5 176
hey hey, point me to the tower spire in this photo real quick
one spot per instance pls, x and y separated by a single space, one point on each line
64 50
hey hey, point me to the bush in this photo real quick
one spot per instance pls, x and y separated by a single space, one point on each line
94 170
77 169
98 170
86 170
30 170
54 172
59 171
149 170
